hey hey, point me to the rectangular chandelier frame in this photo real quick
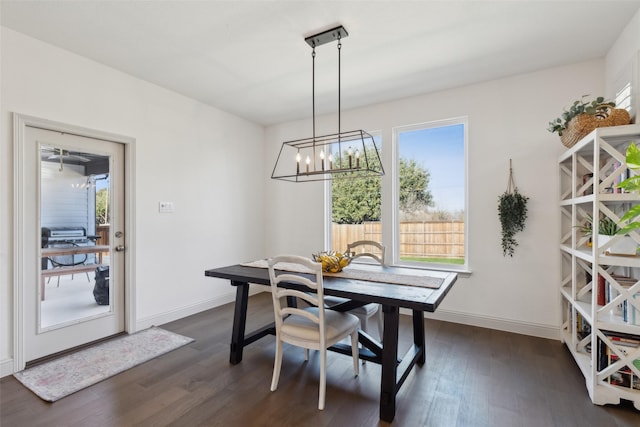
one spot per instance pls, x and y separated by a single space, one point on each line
352 154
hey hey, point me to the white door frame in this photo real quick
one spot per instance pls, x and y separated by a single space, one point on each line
21 247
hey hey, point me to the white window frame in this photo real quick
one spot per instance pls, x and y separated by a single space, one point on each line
389 208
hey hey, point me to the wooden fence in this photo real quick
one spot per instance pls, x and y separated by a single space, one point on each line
429 239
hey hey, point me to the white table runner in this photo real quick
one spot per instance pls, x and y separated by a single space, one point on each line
372 273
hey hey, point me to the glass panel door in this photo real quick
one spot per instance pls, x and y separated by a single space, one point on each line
74 224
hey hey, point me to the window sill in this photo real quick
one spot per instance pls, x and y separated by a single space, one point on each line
462 272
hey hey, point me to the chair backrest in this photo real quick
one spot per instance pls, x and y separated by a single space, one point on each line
314 284
66 260
361 248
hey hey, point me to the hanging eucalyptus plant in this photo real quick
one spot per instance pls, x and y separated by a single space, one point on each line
512 209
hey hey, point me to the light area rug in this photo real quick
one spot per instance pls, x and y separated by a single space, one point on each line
63 376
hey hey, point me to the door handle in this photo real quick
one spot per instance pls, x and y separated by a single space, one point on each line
119 248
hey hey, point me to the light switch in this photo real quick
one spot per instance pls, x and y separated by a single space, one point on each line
165 207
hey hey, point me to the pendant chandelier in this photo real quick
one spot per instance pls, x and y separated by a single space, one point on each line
351 154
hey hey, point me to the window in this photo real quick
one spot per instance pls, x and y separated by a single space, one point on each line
428 224
430 194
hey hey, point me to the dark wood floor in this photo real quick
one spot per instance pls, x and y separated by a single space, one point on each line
473 377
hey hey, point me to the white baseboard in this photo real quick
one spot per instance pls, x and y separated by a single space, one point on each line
181 312
507 325
6 367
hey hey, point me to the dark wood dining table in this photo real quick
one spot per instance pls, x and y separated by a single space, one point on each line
391 296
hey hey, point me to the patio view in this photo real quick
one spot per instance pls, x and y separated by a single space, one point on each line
75 214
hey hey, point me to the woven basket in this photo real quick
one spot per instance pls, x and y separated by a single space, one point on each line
582 125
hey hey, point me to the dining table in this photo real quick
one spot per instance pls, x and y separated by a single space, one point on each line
394 288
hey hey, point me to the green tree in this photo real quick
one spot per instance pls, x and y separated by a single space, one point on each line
414 183
356 200
102 214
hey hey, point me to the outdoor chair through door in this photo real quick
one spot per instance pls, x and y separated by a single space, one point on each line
70 260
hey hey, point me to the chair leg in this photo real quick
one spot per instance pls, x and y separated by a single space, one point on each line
88 280
364 325
355 352
276 366
306 354
323 378
380 322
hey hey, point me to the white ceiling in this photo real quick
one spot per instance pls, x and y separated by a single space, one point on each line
249 57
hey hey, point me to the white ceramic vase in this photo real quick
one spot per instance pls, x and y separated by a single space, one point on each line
624 245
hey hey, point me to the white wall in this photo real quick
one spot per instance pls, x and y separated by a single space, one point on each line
507 120
208 162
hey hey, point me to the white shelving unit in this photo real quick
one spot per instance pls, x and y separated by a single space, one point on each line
605 345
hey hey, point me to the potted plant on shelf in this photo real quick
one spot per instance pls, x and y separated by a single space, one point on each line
583 117
607 230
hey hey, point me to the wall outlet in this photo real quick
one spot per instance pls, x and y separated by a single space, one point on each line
165 207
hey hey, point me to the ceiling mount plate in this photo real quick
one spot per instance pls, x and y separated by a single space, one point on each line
326 36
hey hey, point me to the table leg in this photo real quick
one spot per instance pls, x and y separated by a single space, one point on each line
418 335
388 386
239 321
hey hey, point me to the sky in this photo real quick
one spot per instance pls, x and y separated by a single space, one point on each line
102 183
440 150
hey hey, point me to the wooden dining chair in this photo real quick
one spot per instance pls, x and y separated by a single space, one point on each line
358 249
362 248
311 327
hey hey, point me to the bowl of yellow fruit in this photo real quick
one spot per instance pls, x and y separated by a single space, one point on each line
332 262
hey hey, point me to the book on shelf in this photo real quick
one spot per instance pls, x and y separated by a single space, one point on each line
623 377
625 344
622 339
629 312
583 330
618 178
602 285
